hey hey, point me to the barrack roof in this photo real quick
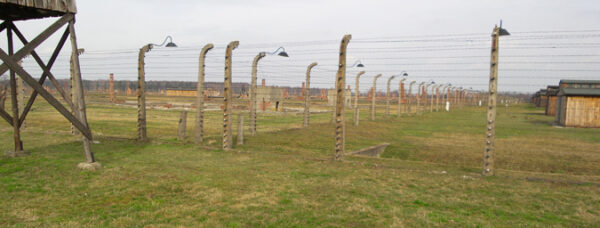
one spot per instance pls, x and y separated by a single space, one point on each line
579 92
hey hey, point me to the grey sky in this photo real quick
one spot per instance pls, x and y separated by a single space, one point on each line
106 28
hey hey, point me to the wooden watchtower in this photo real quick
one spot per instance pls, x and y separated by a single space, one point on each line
63 11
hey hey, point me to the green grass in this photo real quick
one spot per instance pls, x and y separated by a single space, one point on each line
284 176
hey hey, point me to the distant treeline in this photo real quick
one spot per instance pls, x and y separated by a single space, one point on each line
155 86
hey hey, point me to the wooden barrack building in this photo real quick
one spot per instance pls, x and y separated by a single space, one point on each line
578 107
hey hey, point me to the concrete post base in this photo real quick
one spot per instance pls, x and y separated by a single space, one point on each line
89 166
14 154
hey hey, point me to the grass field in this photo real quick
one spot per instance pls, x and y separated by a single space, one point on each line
284 176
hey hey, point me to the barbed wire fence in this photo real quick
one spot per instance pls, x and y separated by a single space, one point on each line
528 61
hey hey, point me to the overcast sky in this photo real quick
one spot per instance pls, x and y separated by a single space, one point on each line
107 28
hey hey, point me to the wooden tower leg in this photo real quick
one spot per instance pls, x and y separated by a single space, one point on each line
79 96
14 101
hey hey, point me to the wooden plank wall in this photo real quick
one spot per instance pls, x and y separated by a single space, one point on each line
181 93
551 106
583 112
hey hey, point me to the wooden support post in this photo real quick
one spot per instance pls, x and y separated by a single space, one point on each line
374 98
79 95
182 126
356 96
227 97
340 124
307 95
13 95
21 98
199 128
71 93
488 154
387 97
240 130
253 101
141 94
111 87
2 102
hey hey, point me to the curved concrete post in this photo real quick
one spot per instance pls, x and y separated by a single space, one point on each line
227 97
253 101
387 97
356 96
141 93
340 83
374 98
307 94
199 129
410 96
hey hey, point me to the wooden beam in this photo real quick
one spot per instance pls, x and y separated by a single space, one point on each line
44 68
36 86
51 61
6 116
3 26
37 40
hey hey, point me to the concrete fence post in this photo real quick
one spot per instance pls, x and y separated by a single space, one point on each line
240 130
400 96
228 96
488 154
374 98
420 94
410 96
141 94
387 97
356 96
111 87
307 95
253 101
199 128
437 98
182 126
340 124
